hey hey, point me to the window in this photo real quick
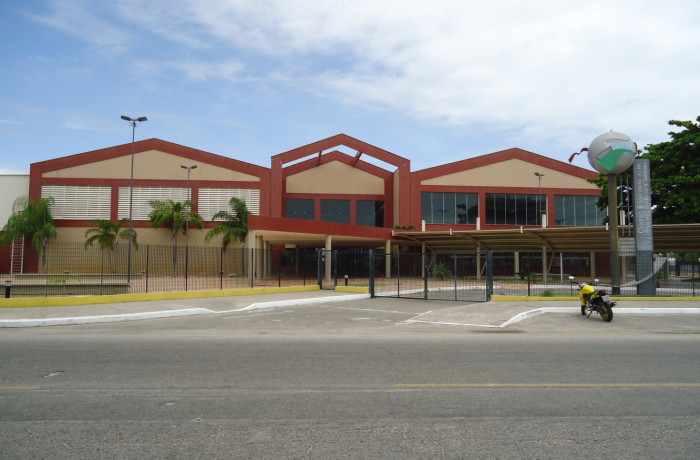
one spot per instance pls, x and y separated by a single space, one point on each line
449 208
370 212
337 211
514 209
213 200
79 202
143 196
577 210
299 209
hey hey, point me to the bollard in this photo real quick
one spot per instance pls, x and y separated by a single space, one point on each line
346 280
8 288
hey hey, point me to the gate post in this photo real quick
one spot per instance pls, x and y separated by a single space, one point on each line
489 275
371 273
425 281
320 253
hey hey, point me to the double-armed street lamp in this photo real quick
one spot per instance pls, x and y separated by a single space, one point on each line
189 198
132 122
539 195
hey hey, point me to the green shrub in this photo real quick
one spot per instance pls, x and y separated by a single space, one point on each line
440 271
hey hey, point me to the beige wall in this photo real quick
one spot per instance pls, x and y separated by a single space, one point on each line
511 173
154 236
11 187
335 178
152 164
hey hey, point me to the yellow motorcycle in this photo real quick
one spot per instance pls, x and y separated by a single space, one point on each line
594 300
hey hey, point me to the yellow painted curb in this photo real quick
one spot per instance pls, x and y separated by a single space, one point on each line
355 289
27 302
515 298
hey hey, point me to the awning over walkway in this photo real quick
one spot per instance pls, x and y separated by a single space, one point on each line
667 238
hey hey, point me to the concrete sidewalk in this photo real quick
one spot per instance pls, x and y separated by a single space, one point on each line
498 314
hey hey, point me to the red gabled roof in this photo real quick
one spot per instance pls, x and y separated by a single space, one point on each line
498 157
145 145
338 140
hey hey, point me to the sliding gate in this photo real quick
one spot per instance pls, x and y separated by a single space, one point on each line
428 276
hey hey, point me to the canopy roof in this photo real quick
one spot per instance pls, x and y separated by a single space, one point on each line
667 238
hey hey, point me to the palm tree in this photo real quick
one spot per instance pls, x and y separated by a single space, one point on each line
235 224
33 220
107 235
176 215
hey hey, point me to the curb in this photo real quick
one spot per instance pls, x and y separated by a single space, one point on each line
541 311
169 313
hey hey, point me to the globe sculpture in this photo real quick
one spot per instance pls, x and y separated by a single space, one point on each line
612 153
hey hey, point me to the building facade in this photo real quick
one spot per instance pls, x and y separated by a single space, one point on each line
336 192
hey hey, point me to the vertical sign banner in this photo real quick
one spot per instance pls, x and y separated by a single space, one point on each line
644 238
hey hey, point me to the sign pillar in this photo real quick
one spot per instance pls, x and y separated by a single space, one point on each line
644 239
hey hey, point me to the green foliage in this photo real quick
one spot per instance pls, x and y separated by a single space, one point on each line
174 214
675 177
440 271
404 227
235 224
32 220
547 293
675 170
178 217
106 234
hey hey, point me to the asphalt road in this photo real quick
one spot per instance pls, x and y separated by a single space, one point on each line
352 380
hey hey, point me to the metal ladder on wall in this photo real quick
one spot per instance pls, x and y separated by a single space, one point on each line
17 256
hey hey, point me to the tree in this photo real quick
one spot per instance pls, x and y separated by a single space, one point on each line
31 219
675 177
174 215
107 235
234 226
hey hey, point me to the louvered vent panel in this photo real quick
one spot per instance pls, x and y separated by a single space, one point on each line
79 202
213 200
143 197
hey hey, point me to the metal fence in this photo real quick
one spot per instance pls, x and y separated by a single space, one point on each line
71 269
431 276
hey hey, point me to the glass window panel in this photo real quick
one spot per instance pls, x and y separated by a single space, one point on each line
449 203
438 208
472 207
337 211
577 210
461 209
370 213
299 209
559 216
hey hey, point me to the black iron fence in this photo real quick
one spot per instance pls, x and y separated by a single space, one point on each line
71 269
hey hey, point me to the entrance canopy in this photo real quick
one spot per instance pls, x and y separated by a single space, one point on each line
667 238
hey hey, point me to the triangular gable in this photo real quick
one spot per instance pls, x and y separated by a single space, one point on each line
512 168
324 178
175 152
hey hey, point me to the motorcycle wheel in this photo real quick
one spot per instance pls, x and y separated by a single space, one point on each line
605 312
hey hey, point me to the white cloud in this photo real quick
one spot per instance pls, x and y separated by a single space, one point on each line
193 70
76 18
543 72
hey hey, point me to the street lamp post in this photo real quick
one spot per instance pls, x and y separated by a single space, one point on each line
132 122
189 198
539 195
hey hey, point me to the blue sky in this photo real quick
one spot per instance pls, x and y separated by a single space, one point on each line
434 82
